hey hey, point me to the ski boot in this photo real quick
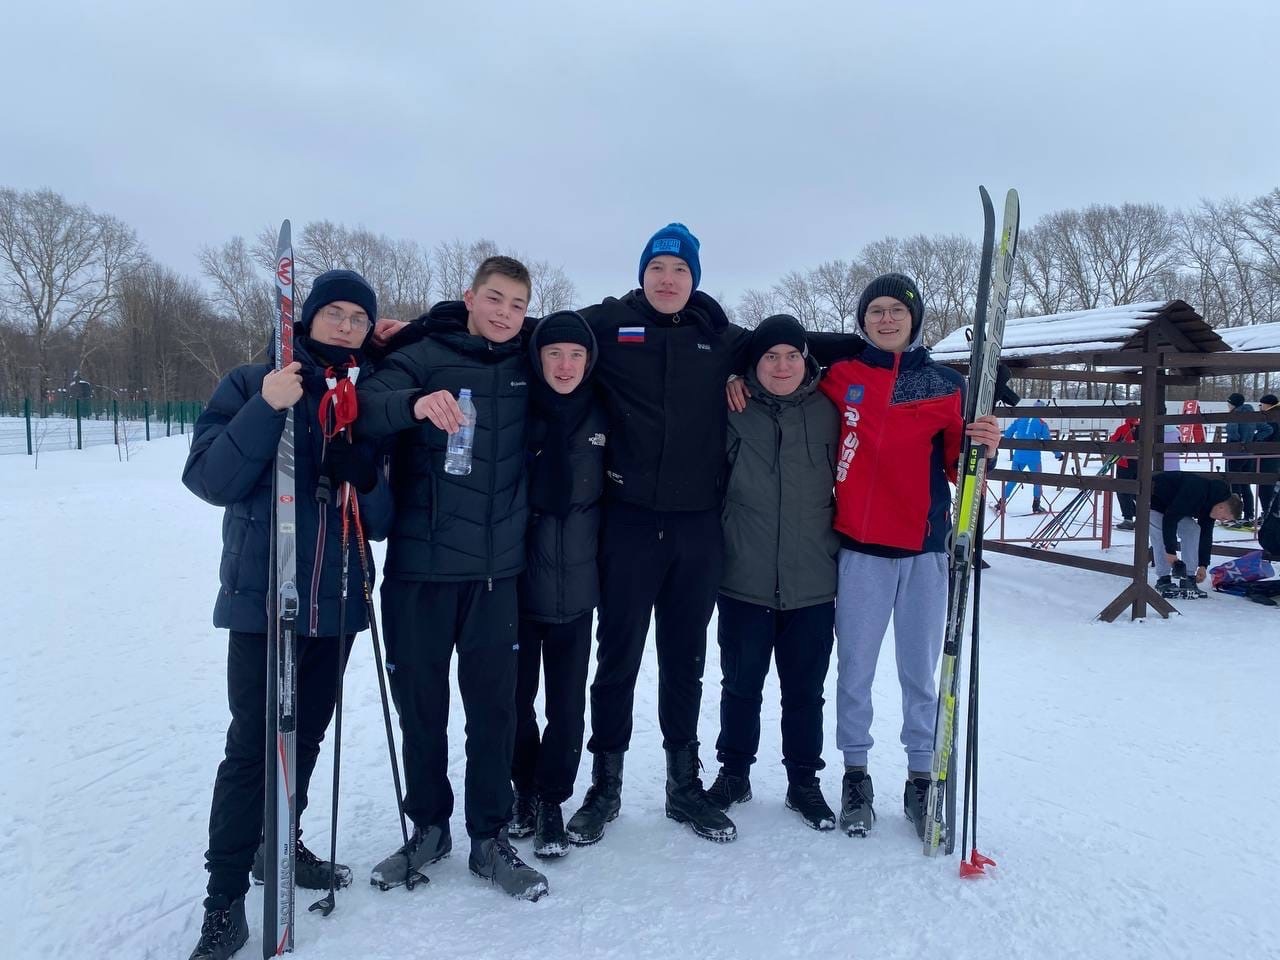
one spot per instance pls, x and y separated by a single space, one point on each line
496 860
915 802
309 871
403 866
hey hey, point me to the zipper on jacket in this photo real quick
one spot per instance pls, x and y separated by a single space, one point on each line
493 478
893 383
777 566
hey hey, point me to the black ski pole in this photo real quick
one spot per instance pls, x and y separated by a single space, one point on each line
412 877
326 903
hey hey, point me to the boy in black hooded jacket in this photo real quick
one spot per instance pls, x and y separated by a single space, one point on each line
560 585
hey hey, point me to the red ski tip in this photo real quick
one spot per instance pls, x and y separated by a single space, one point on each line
979 860
969 871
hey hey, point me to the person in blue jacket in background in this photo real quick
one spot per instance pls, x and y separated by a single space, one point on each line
1026 428
232 465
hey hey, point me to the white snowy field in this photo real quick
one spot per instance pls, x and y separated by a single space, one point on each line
1129 777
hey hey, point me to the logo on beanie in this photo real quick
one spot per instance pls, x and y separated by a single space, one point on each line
666 245
854 394
908 294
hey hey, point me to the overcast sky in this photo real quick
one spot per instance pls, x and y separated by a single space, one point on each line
782 134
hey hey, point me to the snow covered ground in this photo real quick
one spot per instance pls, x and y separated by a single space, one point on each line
1129 778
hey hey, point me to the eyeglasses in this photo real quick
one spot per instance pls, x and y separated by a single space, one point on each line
898 313
335 318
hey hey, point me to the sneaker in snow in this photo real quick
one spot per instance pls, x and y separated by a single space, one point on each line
856 798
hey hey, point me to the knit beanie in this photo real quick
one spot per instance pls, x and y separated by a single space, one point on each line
901 288
673 240
780 328
334 285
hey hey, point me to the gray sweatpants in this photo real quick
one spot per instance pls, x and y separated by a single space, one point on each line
1188 538
913 590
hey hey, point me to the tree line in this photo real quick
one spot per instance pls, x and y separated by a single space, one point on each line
84 307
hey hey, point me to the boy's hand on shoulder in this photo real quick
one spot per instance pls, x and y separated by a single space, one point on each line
441 408
385 329
283 388
735 393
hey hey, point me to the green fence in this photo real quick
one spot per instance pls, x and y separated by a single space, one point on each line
25 425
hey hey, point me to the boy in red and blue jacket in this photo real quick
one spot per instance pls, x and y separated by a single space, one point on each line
902 425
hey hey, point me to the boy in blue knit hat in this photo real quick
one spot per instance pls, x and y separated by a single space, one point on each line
665 352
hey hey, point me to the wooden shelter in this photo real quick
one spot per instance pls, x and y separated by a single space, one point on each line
1151 346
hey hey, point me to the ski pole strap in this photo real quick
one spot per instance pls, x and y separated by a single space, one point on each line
340 398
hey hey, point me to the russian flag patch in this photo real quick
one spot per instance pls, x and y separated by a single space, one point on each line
631 334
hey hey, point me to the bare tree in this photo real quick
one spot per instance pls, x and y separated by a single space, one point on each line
242 297
455 265
60 266
552 289
837 284
796 296
756 305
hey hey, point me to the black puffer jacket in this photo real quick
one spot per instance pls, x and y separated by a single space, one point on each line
560 582
231 465
450 528
662 380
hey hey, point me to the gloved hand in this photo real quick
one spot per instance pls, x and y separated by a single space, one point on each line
353 463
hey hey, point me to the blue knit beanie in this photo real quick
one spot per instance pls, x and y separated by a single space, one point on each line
673 240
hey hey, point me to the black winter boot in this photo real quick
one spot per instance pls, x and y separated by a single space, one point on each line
602 802
549 838
523 813
688 803
309 871
223 931
729 788
805 798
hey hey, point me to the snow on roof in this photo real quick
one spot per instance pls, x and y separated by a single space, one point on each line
1103 329
1253 338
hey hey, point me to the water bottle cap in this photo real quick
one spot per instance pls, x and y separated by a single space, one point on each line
465 392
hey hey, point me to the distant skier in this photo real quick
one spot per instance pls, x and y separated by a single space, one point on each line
1026 428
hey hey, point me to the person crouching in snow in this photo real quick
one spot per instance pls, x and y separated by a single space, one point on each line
1183 508
902 426
778 588
560 585
231 465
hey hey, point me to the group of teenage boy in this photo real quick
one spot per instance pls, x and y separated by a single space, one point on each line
643 459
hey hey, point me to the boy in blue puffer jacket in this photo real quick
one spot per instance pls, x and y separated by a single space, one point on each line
231 465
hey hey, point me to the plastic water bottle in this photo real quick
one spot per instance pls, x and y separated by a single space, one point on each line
457 458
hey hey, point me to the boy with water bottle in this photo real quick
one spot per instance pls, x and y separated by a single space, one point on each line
453 558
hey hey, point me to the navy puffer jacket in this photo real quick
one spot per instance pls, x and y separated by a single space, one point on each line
231 465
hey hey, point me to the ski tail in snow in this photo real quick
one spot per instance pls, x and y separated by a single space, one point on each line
279 829
988 336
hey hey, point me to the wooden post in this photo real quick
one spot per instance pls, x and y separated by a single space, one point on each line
26 413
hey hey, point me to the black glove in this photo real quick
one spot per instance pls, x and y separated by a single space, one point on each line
353 463
1004 393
